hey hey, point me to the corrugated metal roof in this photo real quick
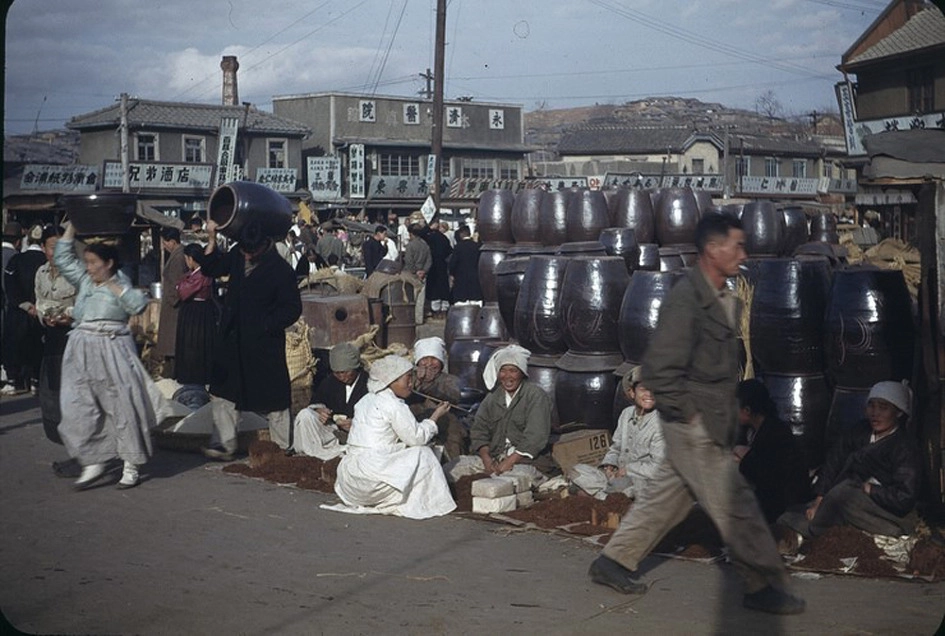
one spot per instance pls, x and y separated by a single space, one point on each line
926 29
613 139
180 115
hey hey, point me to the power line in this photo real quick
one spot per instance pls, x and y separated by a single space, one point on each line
696 39
393 37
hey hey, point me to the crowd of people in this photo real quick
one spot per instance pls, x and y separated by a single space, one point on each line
692 434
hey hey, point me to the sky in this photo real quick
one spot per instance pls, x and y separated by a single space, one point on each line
68 57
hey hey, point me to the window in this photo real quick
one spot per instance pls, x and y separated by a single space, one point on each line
478 169
771 167
828 170
743 166
194 149
799 168
921 83
276 153
400 165
146 147
698 166
508 170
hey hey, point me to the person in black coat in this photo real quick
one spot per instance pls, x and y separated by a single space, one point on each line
771 462
339 391
249 365
438 278
374 249
871 477
464 267
23 332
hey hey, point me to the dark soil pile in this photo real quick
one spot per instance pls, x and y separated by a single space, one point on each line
268 461
552 513
928 559
841 542
462 491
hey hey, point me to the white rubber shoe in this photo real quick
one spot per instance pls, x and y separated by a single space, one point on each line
129 477
90 474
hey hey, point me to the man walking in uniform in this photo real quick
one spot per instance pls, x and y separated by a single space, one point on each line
692 369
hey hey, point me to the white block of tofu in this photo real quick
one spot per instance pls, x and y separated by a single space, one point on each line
486 506
524 499
492 488
520 482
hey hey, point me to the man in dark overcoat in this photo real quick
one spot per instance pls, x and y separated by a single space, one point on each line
249 365
174 270
438 278
464 268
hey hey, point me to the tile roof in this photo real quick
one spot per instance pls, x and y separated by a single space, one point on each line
604 139
924 30
181 115
781 146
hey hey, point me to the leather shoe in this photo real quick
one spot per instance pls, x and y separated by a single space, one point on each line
774 601
606 571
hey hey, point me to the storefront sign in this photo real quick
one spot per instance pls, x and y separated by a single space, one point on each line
279 179
229 126
707 182
778 185
324 178
160 175
848 117
356 171
891 196
57 178
386 187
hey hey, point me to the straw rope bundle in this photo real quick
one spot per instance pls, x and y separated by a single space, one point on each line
301 364
746 293
895 254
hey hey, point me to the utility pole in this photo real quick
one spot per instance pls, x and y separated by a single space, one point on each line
123 136
813 120
428 91
438 77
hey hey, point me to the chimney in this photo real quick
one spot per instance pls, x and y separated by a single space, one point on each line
231 95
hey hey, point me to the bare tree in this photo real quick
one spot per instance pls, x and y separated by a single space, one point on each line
768 105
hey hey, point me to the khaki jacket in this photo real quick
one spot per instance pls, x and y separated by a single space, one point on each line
691 365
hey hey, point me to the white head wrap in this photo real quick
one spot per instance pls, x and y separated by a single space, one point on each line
896 393
512 354
385 371
433 346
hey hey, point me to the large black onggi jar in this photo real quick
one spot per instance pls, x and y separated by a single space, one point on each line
870 333
460 322
803 402
489 323
764 229
554 217
640 311
465 357
233 205
677 215
587 215
796 231
494 216
584 390
592 291
622 242
101 214
509 275
633 209
526 216
490 256
537 319
788 306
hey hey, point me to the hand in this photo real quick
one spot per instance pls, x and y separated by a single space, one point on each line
421 274
323 415
211 227
440 411
32 311
740 452
344 424
488 465
867 487
69 232
506 464
813 508
609 471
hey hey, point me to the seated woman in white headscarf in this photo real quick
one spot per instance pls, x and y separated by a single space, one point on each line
432 385
513 422
871 477
388 466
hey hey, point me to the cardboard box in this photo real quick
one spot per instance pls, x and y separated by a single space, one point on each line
581 447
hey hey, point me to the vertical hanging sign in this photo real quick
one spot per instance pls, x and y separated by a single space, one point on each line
356 171
226 163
